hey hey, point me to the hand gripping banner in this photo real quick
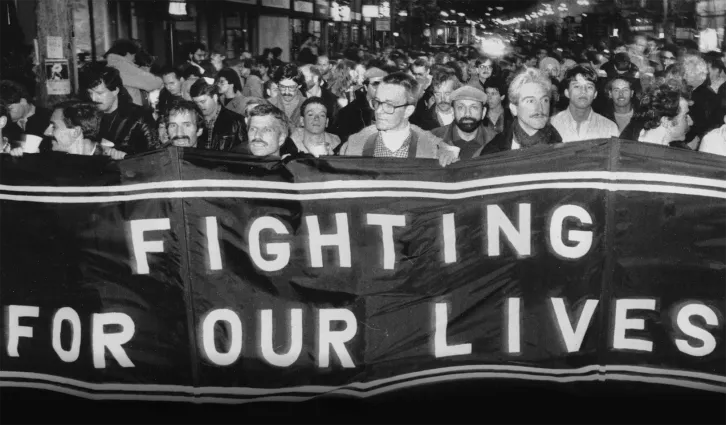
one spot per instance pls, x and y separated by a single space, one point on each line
185 275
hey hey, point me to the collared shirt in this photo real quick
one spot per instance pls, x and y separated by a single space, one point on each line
594 127
382 151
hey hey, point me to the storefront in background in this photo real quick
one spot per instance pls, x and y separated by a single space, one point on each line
274 26
302 25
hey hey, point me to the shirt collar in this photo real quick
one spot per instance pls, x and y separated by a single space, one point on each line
394 139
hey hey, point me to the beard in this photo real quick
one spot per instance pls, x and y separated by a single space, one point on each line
467 125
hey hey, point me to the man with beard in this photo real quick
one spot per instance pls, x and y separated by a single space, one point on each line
184 123
467 132
579 122
621 105
289 80
196 54
440 113
529 100
225 128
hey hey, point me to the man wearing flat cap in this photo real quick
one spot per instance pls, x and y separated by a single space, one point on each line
359 113
467 132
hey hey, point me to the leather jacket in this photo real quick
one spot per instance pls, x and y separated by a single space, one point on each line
131 128
229 132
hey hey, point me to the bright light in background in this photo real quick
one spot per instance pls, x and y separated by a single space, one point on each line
395 34
615 32
444 14
492 47
440 31
178 8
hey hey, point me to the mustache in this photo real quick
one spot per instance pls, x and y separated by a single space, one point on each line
258 141
184 138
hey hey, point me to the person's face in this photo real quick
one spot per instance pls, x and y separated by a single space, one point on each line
172 84
667 58
64 138
273 90
533 108
207 104
541 54
640 45
182 129
714 74
315 118
464 71
494 99
372 87
217 59
468 114
224 87
323 65
18 110
680 125
420 72
442 94
103 97
265 135
694 79
393 95
199 56
485 69
621 93
288 89
311 80
581 92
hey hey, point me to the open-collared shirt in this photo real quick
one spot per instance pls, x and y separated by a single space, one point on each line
594 127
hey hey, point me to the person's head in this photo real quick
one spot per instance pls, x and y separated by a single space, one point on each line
695 70
197 52
228 83
217 58
323 64
542 53
103 86
16 99
71 123
621 91
312 76
288 79
4 119
314 115
668 55
372 79
444 84
172 80
184 123
267 130
485 68
716 67
469 105
666 106
551 66
580 82
395 101
421 69
529 99
125 48
496 91
619 46
205 97
639 43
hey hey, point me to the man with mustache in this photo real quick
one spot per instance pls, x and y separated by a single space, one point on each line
289 80
184 123
440 113
269 128
467 132
579 122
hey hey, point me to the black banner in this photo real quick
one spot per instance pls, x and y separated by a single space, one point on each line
201 277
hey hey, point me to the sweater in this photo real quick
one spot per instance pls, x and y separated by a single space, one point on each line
134 78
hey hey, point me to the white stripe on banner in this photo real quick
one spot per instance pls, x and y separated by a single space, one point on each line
687 379
613 187
378 184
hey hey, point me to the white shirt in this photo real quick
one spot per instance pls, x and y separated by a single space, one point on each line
594 127
393 139
444 117
714 142
657 136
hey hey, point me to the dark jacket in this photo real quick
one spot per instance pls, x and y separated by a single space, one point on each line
483 137
705 103
165 99
503 141
229 132
353 118
131 128
331 104
506 120
427 119
36 125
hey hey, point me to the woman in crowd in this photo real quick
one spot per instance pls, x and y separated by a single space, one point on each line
230 90
311 136
342 82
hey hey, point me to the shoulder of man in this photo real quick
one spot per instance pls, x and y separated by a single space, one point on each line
228 114
441 131
427 136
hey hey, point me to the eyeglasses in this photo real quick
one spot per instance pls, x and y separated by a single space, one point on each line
387 107
485 67
287 89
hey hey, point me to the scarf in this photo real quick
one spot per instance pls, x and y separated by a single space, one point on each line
544 136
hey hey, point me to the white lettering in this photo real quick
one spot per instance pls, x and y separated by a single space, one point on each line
387 221
622 324
449 229
583 238
519 239
280 250
113 341
441 348
573 338
683 319
513 325
142 247
69 315
267 338
15 330
341 239
335 339
215 256
234 330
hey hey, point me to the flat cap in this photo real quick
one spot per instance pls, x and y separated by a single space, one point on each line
469 93
374 73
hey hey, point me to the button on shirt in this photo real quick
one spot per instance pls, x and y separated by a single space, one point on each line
594 127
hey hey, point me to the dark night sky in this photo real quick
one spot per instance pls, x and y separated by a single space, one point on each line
478 8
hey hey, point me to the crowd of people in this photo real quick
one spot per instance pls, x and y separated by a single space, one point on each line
449 105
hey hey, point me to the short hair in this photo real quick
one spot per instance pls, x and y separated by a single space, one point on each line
93 76
671 48
587 73
81 114
168 69
442 77
123 47
180 106
193 47
313 101
694 65
266 109
257 65
421 62
713 60
527 76
188 70
232 78
276 52
406 81
202 88
11 92
497 83
288 71
659 101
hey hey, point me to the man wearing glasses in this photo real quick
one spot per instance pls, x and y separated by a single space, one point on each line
358 114
667 57
393 136
485 68
289 79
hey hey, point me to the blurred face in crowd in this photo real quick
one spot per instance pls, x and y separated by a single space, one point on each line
323 64
315 118
533 108
667 58
468 114
311 80
172 84
225 88
372 87
581 92
679 126
182 129
621 93
442 94
207 104
485 69
198 56
273 90
531 62
105 99
391 96
541 54
715 74
288 89
64 138
266 135
640 44
18 110
494 99
217 60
